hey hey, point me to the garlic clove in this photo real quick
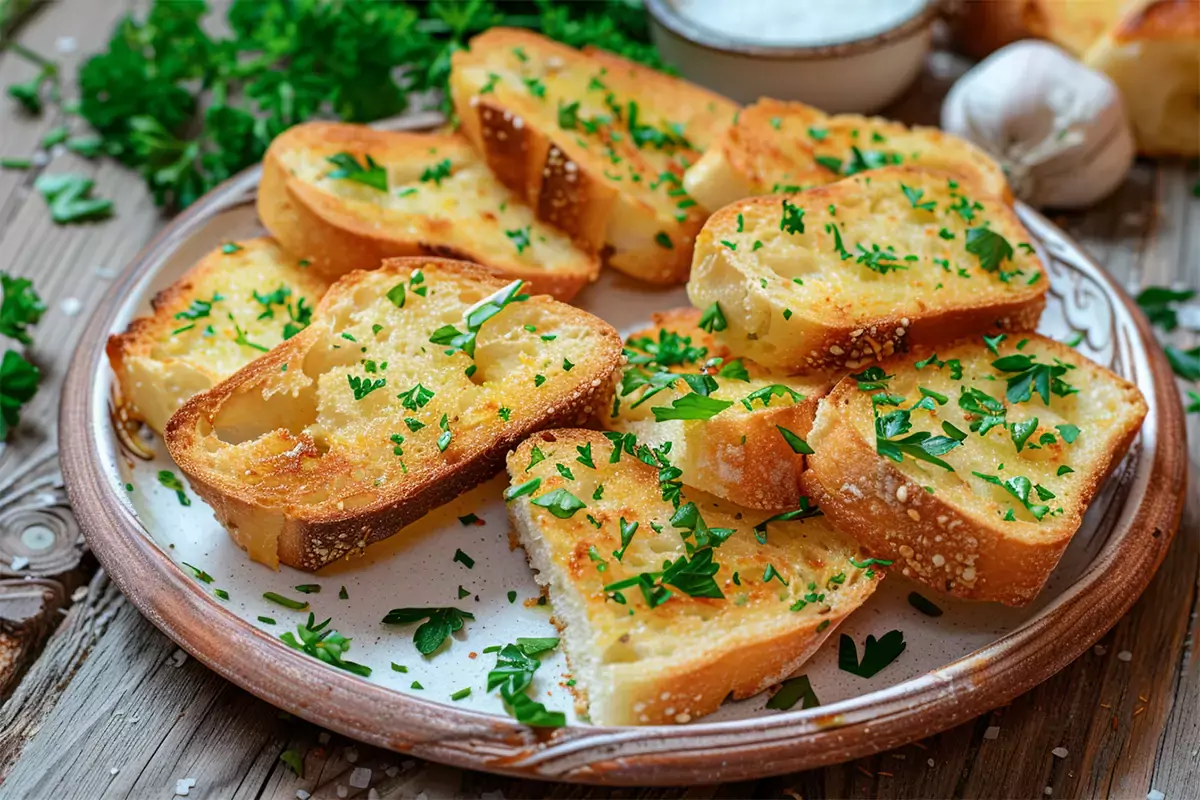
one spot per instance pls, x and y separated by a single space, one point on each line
1057 127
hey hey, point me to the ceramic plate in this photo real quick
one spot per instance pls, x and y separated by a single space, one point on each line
973 658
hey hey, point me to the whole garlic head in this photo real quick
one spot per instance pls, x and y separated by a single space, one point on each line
1057 127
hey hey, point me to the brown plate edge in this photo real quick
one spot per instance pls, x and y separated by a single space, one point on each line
697 753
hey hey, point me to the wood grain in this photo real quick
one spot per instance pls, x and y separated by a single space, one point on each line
193 724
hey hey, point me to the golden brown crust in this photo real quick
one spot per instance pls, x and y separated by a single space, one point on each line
949 547
338 235
824 332
616 200
747 644
310 535
775 144
155 372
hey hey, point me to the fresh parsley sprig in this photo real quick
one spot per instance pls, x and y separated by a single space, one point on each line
440 623
325 644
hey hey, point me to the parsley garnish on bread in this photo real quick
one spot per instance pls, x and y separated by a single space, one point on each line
971 468
596 144
347 196
775 146
239 301
736 429
303 468
846 274
671 601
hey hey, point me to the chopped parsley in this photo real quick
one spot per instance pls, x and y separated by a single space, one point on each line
171 481
560 503
712 319
324 644
364 386
877 653
792 220
349 169
797 444
767 392
415 398
914 198
476 316
440 623
519 237
437 173
792 691
691 406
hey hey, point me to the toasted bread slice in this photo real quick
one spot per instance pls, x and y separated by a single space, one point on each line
362 422
239 301
1152 54
596 144
738 453
439 198
776 147
677 660
994 526
845 274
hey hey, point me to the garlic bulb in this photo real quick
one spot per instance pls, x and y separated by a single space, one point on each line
1057 127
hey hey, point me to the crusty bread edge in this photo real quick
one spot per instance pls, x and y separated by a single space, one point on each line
314 224
310 543
693 688
871 513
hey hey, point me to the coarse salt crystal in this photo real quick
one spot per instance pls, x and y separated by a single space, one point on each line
302 795
19 563
360 777
1125 655
1155 794
342 791
351 755
183 786
392 771
323 737
1059 752
177 658
993 732
1099 649
1049 790
65 44
372 794
70 306
929 762
113 771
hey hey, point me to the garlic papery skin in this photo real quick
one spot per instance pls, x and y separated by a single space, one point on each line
1057 127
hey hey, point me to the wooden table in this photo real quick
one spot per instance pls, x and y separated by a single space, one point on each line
110 707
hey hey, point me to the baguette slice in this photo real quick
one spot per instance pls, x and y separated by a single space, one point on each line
441 199
968 536
903 276
739 453
596 144
775 147
190 342
360 424
1152 54
639 665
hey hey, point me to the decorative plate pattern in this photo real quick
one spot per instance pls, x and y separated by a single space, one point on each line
971 659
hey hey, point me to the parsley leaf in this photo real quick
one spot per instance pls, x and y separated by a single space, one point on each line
793 218
712 319
877 653
349 169
560 503
991 249
914 198
989 411
441 622
1157 302
323 644
415 398
1033 376
20 308
797 444
1019 487
691 406
922 446
69 198
793 691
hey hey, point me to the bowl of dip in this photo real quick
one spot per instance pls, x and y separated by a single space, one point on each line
841 56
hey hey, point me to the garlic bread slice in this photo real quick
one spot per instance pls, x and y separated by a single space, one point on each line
235 304
596 144
409 387
346 197
971 467
746 599
845 274
775 147
736 429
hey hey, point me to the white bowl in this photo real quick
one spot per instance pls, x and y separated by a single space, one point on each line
860 76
